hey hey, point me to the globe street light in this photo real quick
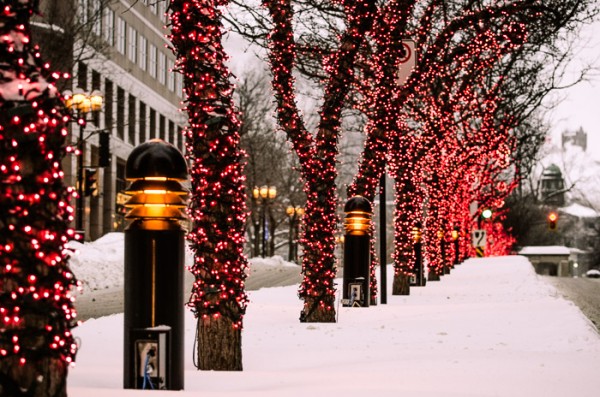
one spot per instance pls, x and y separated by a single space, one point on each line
265 194
83 103
294 213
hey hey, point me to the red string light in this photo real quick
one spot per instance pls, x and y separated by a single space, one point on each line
36 305
218 202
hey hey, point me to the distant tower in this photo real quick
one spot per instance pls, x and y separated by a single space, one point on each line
576 138
553 186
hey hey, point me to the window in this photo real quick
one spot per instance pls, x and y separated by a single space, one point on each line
171 132
162 67
95 86
121 35
153 129
131 119
82 11
131 44
120 113
143 58
96 15
82 81
162 128
109 26
170 75
152 68
108 103
95 80
142 122
181 144
154 7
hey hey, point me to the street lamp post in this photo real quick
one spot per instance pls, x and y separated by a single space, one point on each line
294 213
265 194
83 103
455 235
417 247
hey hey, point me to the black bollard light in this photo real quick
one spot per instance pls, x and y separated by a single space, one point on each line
419 278
154 268
357 252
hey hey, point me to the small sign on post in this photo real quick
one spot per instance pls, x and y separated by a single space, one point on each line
407 62
479 238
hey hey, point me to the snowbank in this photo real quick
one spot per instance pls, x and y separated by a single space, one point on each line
491 328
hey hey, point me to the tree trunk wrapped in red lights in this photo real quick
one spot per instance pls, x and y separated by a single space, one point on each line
317 154
36 308
217 206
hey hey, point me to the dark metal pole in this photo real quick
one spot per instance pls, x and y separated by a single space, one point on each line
264 228
296 235
291 238
456 236
456 260
79 201
418 264
382 239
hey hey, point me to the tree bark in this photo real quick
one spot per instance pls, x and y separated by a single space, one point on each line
44 378
401 285
219 345
314 312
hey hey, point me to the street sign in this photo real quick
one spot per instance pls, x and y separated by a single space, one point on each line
480 252
408 61
479 238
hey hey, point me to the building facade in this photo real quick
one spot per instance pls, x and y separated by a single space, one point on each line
126 56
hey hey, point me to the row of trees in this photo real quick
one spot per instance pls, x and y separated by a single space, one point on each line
448 136
455 133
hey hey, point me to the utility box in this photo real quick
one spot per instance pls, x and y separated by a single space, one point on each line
151 350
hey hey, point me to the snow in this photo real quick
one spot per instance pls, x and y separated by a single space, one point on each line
579 211
491 328
545 250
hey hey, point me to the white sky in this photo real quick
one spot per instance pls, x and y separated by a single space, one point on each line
580 107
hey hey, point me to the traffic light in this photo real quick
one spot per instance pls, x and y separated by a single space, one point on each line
104 151
486 214
552 220
90 182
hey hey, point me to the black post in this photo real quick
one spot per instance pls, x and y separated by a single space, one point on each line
291 238
456 247
445 266
357 252
296 237
257 237
418 264
418 251
154 264
264 228
79 202
382 239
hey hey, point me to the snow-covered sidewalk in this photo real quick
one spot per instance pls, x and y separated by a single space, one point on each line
491 328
